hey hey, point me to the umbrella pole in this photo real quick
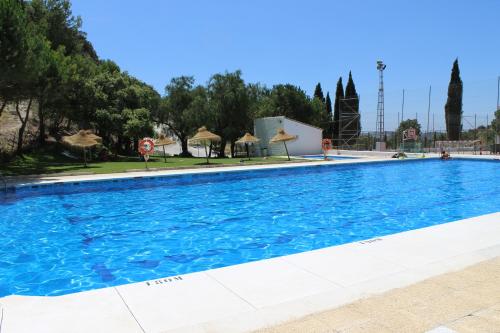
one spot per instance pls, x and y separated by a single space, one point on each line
164 154
206 153
84 158
288 155
248 153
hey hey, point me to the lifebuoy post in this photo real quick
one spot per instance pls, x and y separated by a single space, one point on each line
146 147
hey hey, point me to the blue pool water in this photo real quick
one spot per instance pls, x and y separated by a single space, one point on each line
334 157
70 237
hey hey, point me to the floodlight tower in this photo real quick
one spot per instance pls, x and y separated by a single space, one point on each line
380 144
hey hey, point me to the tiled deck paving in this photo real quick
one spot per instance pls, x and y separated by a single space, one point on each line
464 301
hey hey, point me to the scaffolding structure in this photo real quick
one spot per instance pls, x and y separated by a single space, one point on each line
349 122
380 107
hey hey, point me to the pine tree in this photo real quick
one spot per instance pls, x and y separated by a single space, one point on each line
453 107
339 94
352 105
318 93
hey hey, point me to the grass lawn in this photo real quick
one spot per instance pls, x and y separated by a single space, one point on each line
50 161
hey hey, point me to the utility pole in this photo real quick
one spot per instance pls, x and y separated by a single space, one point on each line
498 94
475 126
428 114
403 107
433 132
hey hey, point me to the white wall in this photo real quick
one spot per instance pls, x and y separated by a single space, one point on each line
308 141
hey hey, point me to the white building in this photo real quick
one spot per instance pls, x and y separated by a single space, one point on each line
308 141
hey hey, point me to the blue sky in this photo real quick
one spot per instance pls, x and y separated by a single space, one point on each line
306 42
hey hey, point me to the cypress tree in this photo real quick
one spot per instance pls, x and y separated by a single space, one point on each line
453 107
339 94
328 106
352 105
318 93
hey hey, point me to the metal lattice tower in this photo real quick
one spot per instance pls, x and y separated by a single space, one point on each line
380 105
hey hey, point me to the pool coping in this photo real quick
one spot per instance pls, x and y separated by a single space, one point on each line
21 181
248 296
59 179
52 179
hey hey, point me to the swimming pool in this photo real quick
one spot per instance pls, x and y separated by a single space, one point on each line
334 157
71 237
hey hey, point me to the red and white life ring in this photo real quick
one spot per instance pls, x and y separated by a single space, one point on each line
146 146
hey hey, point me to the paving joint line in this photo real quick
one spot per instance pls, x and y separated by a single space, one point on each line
231 291
284 258
129 310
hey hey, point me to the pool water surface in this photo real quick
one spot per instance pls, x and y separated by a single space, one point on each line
62 239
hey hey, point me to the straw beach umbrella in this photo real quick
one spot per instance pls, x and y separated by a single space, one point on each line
203 136
83 139
163 141
247 139
282 136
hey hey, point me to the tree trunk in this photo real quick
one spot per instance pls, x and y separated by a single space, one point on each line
41 119
127 144
222 152
232 149
136 145
4 104
119 145
24 122
184 147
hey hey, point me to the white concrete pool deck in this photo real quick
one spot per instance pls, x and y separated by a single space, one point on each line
249 296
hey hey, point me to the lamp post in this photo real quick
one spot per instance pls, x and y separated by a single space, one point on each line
380 143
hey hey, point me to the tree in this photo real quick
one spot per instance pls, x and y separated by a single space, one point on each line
328 104
39 58
137 124
495 123
13 50
55 20
258 97
453 107
328 133
339 95
176 112
230 104
406 124
319 116
289 101
46 60
318 93
352 126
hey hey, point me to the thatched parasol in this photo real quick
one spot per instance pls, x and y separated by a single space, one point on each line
164 141
282 136
83 139
247 139
203 136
